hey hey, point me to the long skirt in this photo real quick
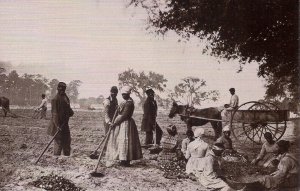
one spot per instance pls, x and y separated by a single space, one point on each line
211 182
123 143
194 164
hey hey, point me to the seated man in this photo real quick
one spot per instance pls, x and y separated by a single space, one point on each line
233 104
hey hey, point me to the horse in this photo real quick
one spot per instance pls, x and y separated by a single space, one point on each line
4 102
208 113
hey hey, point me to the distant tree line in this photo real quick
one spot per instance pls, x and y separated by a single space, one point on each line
27 89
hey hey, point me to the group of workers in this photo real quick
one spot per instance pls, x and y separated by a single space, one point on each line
124 145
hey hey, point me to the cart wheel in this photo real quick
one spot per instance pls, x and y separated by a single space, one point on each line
247 132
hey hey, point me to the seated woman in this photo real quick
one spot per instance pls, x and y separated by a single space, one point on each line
186 141
268 152
195 152
286 175
209 174
167 158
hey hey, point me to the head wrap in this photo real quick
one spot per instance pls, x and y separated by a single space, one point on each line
226 128
199 132
232 89
126 90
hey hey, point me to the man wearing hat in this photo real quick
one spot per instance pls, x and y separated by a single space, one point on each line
110 107
149 123
123 140
61 112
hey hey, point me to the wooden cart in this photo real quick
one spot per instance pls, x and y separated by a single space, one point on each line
251 120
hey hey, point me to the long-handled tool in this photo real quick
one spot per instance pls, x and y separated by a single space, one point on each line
94 155
94 173
58 130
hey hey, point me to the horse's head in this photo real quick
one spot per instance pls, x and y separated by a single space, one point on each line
178 109
174 110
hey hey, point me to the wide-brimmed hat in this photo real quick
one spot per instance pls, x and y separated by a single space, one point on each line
199 132
126 90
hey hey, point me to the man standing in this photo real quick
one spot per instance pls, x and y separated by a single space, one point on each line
61 112
43 107
149 119
110 107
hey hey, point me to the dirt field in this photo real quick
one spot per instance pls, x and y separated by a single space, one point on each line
22 140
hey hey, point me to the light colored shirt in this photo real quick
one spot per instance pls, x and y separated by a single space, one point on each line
196 149
44 103
267 148
234 101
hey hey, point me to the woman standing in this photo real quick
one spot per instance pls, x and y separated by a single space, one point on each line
123 141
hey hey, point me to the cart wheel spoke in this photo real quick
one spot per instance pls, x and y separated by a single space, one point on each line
244 132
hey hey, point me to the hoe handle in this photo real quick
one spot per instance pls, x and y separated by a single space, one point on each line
47 146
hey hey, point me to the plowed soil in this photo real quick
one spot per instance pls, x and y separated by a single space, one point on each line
23 139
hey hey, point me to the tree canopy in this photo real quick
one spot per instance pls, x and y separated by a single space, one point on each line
193 89
141 81
264 31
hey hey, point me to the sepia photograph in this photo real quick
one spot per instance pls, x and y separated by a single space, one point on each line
149 95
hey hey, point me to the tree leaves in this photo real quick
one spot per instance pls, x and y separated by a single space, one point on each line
193 89
141 81
265 31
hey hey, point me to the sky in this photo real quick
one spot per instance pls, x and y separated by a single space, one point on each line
95 40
